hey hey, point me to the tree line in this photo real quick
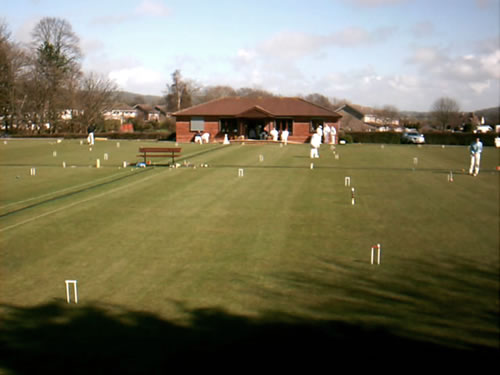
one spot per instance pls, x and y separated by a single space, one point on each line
42 80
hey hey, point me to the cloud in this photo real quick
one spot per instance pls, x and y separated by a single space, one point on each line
423 29
152 8
23 32
138 79
490 63
146 8
293 45
469 67
358 36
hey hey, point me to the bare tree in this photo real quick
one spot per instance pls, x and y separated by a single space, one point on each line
320 100
180 92
56 66
445 111
253 92
12 63
389 114
95 94
213 92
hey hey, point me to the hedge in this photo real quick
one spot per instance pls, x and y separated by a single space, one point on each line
160 136
438 138
443 138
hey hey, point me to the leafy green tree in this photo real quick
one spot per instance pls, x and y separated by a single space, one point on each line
56 68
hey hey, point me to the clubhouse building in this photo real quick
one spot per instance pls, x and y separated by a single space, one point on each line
245 118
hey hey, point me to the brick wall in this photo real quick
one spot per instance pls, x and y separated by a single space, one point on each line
301 130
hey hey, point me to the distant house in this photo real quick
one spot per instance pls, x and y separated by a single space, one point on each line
122 112
353 119
381 122
146 112
69 114
253 118
162 110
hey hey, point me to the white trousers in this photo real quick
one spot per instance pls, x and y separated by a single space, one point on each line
314 153
475 160
90 139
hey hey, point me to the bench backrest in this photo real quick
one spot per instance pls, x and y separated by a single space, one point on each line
158 149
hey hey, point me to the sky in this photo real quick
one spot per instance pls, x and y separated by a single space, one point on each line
403 53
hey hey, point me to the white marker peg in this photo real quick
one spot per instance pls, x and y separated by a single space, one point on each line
64 164
75 290
124 164
377 248
117 144
261 158
347 181
240 172
352 197
33 172
312 166
98 163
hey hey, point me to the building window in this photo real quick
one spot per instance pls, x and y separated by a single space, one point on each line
284 124
197 124
315 123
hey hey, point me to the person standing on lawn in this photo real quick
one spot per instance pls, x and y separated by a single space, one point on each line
90 137
476 148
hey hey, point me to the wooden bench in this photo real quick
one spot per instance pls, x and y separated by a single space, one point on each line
160 152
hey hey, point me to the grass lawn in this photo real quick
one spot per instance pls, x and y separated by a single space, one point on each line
220 263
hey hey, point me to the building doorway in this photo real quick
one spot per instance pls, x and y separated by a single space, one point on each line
253 128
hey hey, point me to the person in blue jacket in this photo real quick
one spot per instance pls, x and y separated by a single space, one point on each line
476 148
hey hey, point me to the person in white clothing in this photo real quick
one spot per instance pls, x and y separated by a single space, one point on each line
274 134
315 145
319 131
90 137
284 136
326 134
333 135
475 156
205 137
197 138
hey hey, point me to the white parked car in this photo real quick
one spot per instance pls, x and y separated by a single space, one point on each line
413 137
483 129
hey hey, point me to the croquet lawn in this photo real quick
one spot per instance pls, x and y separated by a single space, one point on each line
264 245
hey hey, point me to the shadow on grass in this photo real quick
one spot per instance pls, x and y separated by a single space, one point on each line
85 339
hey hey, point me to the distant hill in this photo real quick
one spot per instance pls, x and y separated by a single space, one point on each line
132 99
491 115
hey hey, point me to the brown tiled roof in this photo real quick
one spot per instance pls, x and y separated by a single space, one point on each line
270 106
144 107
